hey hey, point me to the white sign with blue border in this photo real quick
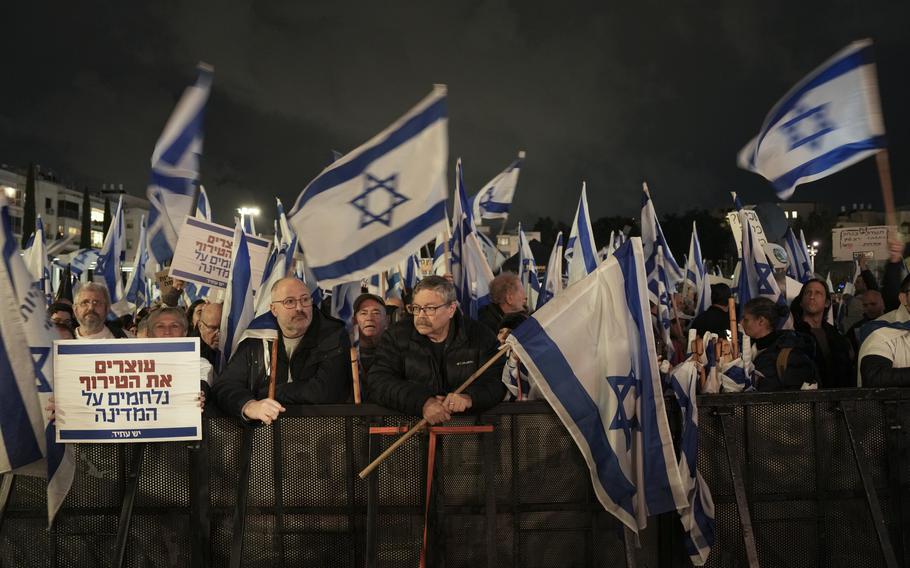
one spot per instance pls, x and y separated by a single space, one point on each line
127 390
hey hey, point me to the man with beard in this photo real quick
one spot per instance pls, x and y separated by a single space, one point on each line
419 363
91 307
312 367
833 353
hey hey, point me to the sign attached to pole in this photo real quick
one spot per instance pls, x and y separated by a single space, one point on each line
850 242
203 254
736 227
127 390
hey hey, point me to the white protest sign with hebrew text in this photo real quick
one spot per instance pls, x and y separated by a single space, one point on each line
872 241
737 229
127 390
203 254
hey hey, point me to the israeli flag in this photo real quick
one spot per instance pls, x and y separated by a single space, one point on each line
411 272
581 252
36 260
798 267
494 200
527 269
137 292
553 278
665 310
249 224
495 258
599 373
109 261
238 310
828 121
27 441
756 276
175 168
279 264
471 272
203 208
373 207
440 263
82 260
697 275
343 297
652 238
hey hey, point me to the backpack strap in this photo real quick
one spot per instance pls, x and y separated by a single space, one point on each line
782 358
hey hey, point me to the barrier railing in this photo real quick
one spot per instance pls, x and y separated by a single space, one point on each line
798 479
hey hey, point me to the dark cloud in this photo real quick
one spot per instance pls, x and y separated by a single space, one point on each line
608 93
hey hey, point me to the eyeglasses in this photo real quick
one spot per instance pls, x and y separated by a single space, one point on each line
291 303
212 327
92 303
415 309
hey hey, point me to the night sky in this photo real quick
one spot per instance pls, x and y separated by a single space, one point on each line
612 93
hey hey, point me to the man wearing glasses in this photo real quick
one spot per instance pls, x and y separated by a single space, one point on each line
91 307
210 332
419 363
313 364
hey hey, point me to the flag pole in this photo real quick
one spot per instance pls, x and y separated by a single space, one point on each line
884 175
355 373
731 308
273 368
423 422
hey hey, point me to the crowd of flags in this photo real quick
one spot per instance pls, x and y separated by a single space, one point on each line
367 217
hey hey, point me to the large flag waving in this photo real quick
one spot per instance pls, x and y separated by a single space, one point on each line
470 269
27 441
798 266
376 205
494 200
581 252
756 276
600 375
175 168
828 121
238 309
110 260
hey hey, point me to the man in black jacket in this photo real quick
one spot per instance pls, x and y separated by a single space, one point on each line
419 363
506 297
716 318
834 355
312 368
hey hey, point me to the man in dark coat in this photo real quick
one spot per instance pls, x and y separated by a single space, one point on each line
716 318
833 353
506 297
313 360
420 362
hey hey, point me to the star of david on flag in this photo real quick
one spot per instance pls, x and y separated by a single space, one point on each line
625 418
828 121
378 208
373 207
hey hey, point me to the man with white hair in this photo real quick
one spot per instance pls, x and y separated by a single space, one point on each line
91 306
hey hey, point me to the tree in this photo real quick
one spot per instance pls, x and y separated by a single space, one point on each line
548 228
107 216
28 215
85 237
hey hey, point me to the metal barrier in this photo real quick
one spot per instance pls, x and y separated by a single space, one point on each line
288 495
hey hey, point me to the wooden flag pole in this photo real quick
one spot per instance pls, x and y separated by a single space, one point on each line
734 336
884 176
273 368
423 422
355 373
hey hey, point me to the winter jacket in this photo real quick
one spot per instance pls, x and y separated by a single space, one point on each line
787 351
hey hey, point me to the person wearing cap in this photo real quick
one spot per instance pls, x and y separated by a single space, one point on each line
372 320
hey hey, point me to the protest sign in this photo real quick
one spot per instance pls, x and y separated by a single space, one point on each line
203 254
127 390
737 228
849 242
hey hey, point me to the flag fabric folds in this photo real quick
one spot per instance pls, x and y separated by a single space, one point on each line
827 122
203 207
591 352
36 260
552 281
175 168
527 269
280 262
343 296
494 200
471 272
238 310
581 252
109 261
376 205
798 267
27 441
652 238
697 274
136 291
443 240
756 276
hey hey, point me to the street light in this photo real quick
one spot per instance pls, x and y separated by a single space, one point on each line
251 211
813 250
248 213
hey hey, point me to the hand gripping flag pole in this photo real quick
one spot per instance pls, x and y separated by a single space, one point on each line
423 422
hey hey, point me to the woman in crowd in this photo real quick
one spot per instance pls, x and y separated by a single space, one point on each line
783 359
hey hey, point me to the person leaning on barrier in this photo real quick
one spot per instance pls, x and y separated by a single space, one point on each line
313 364
371 320
507 296
419 363
783 359
833 353
91 307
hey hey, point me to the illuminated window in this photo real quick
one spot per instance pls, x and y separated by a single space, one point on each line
793 214
97 239
73 231
97 215
786 214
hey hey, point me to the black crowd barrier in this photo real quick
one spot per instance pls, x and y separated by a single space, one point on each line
798 479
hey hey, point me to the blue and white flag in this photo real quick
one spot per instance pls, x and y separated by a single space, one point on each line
581 252
248 223
828 121
280 262
109 261
238 310
756 276
36 260
697 275
137 292
600 374
27 441
376 205
203 207
665 310
553 278
527 269
441 260
494 200
798 267
698 517
82 260
175 168
652 238
343 297
471 272
494 256
411 272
